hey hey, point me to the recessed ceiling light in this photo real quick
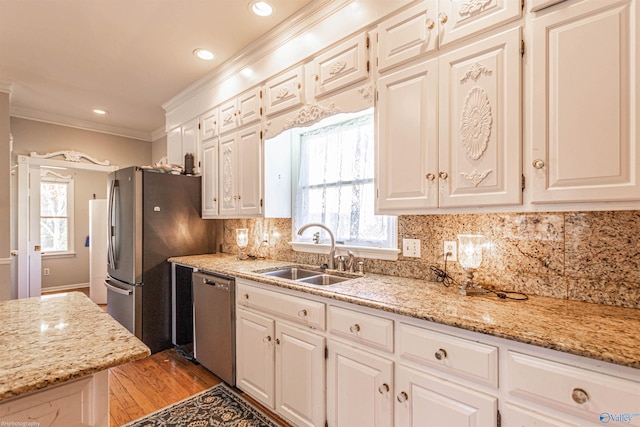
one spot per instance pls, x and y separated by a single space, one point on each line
100 112
262 8
204 54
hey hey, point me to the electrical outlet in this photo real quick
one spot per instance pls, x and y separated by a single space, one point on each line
411 248
450 247
46 271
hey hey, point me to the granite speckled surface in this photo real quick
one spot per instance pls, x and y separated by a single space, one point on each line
55 338
596 331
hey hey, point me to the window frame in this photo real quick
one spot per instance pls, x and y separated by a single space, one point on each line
305 244
48 175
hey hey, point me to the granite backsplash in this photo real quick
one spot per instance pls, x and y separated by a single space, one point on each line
583 256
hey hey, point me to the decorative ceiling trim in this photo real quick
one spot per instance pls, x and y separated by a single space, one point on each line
70 156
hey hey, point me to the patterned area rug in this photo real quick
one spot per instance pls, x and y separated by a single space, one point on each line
217 406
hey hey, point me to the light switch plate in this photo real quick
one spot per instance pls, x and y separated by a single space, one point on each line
411 248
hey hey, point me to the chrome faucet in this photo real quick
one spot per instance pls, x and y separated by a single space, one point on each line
350 262
332 253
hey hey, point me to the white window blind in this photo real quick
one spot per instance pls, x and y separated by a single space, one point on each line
56 206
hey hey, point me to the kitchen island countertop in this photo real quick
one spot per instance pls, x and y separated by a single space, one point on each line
52 339
600 332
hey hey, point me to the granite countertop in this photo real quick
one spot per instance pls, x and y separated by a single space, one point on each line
600 332
55 338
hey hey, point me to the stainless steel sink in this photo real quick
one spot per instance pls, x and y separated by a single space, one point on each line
303 275
323 279
292 273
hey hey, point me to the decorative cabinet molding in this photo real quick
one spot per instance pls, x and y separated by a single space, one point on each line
480 123
310 114
285 91
70 156
584 103
343 65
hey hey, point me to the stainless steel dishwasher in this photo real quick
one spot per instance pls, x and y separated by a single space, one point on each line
214 324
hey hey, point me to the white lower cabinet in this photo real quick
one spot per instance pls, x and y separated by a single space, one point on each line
359 387
425 400
372 368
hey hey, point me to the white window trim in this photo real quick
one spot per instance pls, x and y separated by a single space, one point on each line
305 244
70 252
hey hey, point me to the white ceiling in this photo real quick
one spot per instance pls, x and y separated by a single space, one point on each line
63 58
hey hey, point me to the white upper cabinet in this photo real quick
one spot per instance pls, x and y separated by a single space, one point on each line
345 64
407 34
209 124
285 91
434 24
463 18
182 140
480 123
245 109
585 103
407 139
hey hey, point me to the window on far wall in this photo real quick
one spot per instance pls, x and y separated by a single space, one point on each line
56 214
335 183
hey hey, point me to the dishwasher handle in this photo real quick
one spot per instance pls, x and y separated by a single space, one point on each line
221 283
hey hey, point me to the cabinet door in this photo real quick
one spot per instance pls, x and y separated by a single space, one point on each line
209 124
359 388
480 123
210 178
536 5
255 356
408 34
228 194
228 116
407 140
425 400
300 376
250 106
463 18
285 91
341 66
584 103
518 416
249 176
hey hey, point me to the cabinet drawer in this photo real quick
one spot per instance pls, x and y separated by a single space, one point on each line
364 328
563 386
341 66
298 310
470 359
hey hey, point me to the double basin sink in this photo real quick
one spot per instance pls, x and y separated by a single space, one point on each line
306 276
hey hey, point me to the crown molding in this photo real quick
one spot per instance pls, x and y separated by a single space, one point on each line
61 120
158 133
303 20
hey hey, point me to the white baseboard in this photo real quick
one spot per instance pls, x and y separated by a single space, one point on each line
5 261
64 287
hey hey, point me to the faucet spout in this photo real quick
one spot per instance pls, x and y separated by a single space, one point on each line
332 253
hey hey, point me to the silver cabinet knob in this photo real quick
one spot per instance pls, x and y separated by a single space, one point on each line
443 18
579 396
245 296
384 388
402 397
302 313
267 339
354 328
538 163
441 354
430 24
443 175
431 177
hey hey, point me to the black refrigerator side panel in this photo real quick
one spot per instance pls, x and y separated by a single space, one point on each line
171 227
125 213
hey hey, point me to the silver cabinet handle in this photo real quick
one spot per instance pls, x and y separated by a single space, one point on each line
443 175
384 388
441 354
402 397
579 396
538 163
354 328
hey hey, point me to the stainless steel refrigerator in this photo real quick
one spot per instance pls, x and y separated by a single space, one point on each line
152 216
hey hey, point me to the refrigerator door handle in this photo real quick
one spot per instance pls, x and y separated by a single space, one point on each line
111 250
116 289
